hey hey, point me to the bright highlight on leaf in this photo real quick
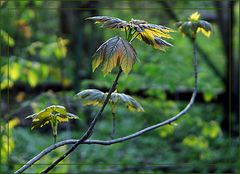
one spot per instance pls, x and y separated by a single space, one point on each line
53 114
95 97
194 17
151 34
194 25
115 51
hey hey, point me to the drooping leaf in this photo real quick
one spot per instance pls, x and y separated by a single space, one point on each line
91 97
130 102
115 51
95 97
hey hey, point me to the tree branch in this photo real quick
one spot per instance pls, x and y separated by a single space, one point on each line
118 140
89 131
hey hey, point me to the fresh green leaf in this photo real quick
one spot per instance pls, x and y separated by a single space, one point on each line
95 97
113 52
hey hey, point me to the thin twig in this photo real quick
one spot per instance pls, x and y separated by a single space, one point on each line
122 139
113 124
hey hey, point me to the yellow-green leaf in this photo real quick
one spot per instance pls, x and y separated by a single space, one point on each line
113 52
143 30
32 78
54 113
95 97
92 97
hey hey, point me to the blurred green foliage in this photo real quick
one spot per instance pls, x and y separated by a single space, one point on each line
34 52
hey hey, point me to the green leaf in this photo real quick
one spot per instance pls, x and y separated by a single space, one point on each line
32 78
51 114
113 52
91 97
149 33
211 129
7 38
95 97
14 71
130 102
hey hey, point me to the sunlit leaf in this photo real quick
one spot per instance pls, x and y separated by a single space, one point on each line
96 97
211 129
166 131
141 29
61 48
195 142
113 52
14 122
194 17
32 78
14 71
91 97
130 102
7 38
194 25
53 114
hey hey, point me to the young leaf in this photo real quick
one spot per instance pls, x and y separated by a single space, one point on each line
115 51
53 114
141 29
109 22
95 97
91 97
130 102
194 25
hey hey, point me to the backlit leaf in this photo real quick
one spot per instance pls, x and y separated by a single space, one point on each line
143 30
53 114
194 25
96 97
130 102
113 52
91 97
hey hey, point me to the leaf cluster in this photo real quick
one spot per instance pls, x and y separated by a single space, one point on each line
151 34
53 114
194 25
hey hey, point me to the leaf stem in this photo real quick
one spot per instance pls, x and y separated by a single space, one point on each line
133 38
113 124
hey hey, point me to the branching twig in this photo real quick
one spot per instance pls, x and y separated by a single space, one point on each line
91 127
84 140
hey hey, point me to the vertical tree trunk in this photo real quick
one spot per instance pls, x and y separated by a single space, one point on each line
225 19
